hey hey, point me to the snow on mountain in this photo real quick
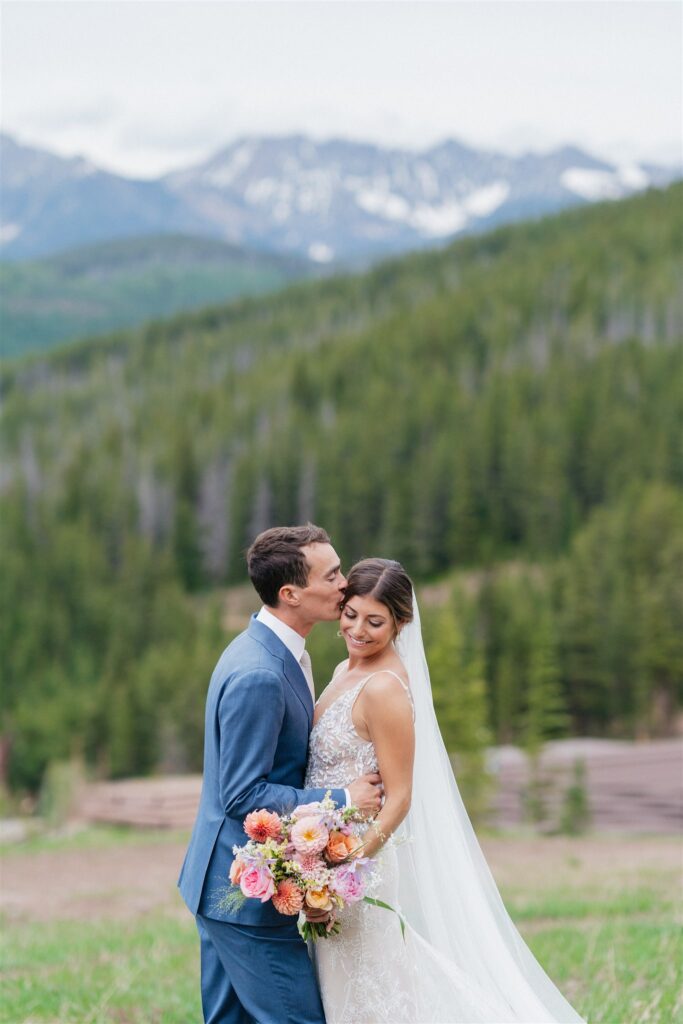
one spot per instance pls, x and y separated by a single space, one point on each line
350 200
330 200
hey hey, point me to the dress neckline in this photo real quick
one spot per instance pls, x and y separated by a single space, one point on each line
337 699
352 688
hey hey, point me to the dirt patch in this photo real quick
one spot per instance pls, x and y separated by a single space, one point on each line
114 883
132 880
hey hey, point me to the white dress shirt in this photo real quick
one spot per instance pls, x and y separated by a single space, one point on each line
293 641
296 645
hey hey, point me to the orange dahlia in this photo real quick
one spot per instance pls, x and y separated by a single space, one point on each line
288 899
262 825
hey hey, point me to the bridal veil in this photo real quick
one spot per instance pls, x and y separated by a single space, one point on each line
447 892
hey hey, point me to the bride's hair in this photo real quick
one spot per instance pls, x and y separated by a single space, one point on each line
385 581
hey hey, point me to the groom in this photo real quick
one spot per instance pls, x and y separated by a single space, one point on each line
259 713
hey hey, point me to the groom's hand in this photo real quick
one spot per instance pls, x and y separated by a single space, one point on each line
366 793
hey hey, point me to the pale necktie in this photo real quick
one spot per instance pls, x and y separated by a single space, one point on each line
307 669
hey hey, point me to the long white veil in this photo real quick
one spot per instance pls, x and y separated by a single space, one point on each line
447 892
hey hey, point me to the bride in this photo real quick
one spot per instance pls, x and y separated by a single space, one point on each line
461 959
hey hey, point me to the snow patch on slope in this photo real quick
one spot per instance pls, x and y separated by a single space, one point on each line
591 184
8 232
485 200
320 252
439 221
225 174
633 177
383 204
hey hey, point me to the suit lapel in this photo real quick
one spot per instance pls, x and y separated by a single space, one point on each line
292 671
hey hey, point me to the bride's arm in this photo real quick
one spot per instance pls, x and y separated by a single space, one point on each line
387 713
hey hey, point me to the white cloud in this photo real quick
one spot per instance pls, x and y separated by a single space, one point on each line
150 87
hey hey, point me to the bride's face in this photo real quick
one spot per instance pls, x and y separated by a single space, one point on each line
367 626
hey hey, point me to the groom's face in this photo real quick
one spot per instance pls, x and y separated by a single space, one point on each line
320 599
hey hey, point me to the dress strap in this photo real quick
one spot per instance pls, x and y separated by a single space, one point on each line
388 672
339 666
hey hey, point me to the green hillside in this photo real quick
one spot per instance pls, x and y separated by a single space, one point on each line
509 410
119 284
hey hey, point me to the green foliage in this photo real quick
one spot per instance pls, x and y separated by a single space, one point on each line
546 715
100 654
327 650
459 692
620 598
575 815
59 791
99 288
510 405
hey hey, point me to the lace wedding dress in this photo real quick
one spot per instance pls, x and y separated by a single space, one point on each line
462 960
369 973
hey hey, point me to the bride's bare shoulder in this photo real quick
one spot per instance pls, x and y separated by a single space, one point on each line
387 683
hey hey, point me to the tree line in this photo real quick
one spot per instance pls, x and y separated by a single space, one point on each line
505 414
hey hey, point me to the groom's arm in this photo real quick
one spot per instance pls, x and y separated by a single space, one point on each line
250 716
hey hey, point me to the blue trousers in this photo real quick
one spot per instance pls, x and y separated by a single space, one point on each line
256 975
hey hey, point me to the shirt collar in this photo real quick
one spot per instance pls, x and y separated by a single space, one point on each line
292 640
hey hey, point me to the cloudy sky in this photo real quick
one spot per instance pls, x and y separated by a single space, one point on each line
145 87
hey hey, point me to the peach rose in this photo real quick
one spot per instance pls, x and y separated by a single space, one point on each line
237 869
262 825
319 899
340 847
289 898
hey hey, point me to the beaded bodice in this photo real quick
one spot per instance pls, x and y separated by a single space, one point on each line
337 754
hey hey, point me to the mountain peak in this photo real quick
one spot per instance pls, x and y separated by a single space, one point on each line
323 200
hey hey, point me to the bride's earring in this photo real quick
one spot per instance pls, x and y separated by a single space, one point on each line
339 633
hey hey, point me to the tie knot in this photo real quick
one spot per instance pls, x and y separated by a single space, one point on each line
305 659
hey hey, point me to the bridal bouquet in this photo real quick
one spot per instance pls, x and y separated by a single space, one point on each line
311 858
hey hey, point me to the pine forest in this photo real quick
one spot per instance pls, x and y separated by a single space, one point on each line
504 416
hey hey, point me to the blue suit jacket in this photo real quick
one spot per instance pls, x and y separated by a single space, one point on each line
259 715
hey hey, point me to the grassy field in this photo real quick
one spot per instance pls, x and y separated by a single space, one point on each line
94 931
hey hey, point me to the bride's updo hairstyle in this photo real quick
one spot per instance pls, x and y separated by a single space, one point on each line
384 581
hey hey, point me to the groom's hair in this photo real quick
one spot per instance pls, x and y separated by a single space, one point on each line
275 559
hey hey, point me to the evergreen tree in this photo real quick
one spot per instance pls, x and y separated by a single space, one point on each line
575 813
545 715
185 539
459 694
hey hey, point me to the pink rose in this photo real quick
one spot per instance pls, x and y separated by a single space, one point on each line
257 883
348 885
304 810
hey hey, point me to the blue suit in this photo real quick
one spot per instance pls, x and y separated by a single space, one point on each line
259 715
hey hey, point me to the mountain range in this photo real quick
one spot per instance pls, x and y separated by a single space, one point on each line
331 201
